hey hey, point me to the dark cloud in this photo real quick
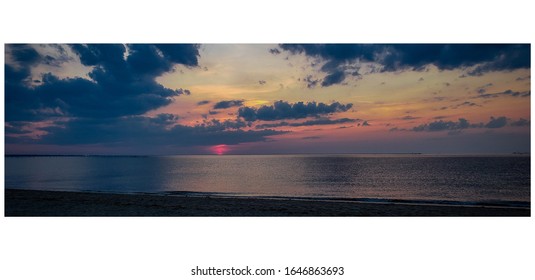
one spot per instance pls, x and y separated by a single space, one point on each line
333 78
523 78
228 104
322 121
107 107
118 86
493 123
311 82
435 99
284 110
482 89
465 104
406 118
274 51
140 131
25 54
496 122
203 102
165 119
262 82
441 125
185 54
365 123
505 93
482 58
225 125
520 122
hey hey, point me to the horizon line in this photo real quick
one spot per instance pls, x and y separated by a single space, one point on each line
264 154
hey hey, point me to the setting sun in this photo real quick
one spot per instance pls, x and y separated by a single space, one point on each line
219 149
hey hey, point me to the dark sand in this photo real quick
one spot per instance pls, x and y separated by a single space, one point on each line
56 203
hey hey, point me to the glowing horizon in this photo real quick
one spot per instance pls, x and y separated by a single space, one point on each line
259 98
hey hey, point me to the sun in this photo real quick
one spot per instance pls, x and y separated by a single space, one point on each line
219 149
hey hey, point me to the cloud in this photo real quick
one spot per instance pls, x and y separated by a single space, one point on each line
322 121
311 83
441 125
406 118
203 102
333 78
225 125
140 131
25 54
262 82
119 85
465 104
274 51
496 122
520 122
482 89
17 128
228 104
482 58
365 123
284 110
505 93
165 119
107 107
493 123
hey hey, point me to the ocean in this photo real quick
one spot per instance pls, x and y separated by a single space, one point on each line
479 180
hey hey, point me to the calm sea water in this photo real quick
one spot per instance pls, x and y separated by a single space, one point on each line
504 179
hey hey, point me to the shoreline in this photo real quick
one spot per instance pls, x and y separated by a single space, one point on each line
35 203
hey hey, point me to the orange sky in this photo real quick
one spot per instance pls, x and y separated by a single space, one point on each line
387 106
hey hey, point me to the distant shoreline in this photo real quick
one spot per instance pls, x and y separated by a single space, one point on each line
298 154
35 203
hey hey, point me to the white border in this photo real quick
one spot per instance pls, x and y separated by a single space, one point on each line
167 248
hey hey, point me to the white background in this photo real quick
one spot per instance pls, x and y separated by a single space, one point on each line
168 248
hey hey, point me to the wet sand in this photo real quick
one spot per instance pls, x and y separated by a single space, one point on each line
61 204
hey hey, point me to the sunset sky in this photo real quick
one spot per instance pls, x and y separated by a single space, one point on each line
166 99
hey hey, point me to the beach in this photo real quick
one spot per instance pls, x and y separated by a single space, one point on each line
33 203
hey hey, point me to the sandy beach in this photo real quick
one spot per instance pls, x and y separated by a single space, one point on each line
58 203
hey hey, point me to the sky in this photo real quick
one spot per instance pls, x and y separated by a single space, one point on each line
167 99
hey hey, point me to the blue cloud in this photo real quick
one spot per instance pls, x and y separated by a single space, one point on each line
227 104
322 121
141 131
284 110
333 78
118 86
493 123
399 57
496 122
